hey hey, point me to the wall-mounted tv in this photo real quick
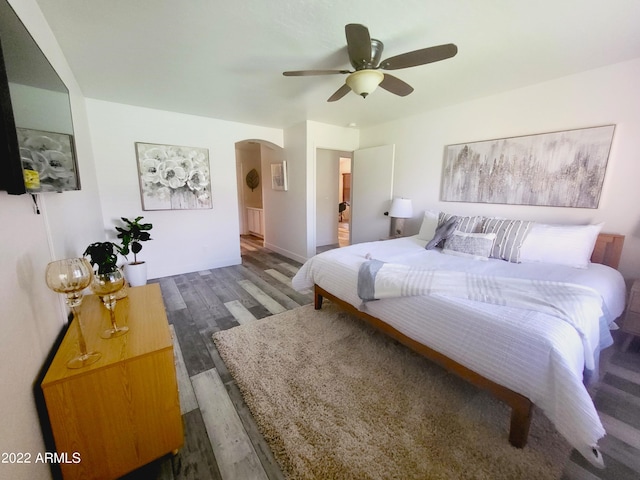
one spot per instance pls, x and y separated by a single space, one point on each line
37 152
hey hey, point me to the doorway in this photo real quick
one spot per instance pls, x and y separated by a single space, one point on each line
333 199
256 209
251 205
370 186
344 202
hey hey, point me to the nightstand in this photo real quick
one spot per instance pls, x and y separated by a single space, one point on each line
631 323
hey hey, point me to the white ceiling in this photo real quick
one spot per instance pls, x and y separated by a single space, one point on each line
225 58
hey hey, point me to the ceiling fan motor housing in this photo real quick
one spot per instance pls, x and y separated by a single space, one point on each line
376 53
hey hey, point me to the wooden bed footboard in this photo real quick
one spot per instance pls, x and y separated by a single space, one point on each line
521 406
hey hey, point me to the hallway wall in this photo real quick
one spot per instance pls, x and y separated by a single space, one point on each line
183 240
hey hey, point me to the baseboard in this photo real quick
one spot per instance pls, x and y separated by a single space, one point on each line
225 262
286 253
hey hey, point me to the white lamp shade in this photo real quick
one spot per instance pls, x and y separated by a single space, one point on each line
363 82
401 208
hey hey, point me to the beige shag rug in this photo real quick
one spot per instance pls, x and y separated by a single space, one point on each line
337 400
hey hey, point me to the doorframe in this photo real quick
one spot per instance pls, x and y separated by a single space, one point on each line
312 211
240 177
350 187
242 216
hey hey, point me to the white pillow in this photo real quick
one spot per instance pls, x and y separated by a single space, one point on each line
429 225
570 245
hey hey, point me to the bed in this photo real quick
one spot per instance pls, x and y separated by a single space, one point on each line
522 356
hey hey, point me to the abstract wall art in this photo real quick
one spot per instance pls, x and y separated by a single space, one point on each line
560 169
279 176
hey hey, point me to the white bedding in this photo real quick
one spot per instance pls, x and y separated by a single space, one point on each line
529 352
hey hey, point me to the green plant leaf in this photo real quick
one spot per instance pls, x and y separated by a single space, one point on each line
132 234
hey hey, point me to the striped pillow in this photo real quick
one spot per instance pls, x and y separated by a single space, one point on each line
465 224
509 237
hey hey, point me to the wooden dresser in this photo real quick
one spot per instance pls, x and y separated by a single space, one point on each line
123 411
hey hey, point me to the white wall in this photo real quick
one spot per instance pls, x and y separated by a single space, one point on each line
183 240
293 214
608 95
276 205
289 233
31 315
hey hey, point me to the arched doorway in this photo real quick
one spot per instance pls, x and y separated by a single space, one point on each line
255 205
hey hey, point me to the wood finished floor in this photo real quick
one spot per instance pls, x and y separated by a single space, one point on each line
222 440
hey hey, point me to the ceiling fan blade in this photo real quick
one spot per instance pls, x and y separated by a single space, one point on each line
358 44
420 57
395 85
304 73
341 92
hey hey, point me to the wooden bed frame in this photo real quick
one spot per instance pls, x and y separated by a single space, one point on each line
607 251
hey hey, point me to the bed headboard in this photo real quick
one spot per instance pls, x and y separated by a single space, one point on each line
608 249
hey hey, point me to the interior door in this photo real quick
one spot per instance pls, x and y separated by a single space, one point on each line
327 168
371 192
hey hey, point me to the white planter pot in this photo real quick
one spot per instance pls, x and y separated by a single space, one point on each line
136 274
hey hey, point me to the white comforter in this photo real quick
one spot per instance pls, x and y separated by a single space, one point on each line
530 352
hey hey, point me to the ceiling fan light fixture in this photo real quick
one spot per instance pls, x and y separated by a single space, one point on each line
363 82
364 55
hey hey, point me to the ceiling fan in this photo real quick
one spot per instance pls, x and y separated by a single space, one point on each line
364 55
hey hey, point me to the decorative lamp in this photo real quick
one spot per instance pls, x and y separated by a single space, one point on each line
401 208
363 82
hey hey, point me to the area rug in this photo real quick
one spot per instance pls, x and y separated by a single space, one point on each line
335 399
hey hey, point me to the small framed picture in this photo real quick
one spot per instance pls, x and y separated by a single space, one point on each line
48 161
279 176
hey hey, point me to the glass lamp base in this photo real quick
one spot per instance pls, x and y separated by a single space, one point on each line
114 332
84 360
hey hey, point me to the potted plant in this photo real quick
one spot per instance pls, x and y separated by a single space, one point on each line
107 280
103 255
131 236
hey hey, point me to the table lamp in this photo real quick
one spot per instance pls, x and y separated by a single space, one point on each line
400 209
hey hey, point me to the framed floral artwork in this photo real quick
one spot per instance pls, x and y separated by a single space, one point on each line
173 177
48 161
279 176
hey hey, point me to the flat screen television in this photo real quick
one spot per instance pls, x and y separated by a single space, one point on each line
11 178
37 149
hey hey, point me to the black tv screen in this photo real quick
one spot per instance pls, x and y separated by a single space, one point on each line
11 178
37 148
